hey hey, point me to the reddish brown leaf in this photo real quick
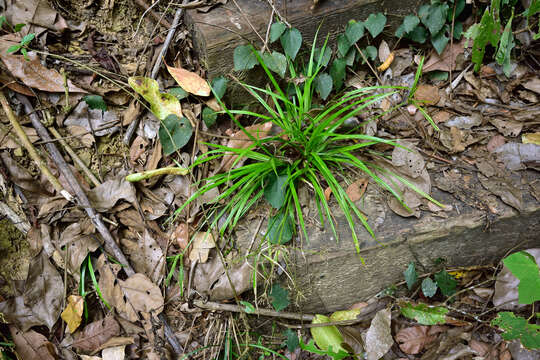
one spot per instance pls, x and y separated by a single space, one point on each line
96 333
357 189
413 339
181 235
189 81
447 60
31 345
427 93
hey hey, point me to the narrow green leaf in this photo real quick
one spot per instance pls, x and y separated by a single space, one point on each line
18 27
429 287
27 39
174 133
13 48
323 85
275 192
375 23
410 275
291 40
219 85
276 30
325 58
209 116
446 282
244 58
279 297
424 314
354 31
95 102
506 45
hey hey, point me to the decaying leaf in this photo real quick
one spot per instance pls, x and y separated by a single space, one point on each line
106 195
447 61
357 189
72 314
142 294
379 335
38 15
519 156
507 127
181 235
146 256
95 121
114 353
96 333
189 81
531 138
326 337
32 345
16 312
75 245
413 339
503 188
202 243
428 94
239 140
32 73
162 105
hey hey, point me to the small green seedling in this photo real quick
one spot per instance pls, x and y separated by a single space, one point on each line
22 46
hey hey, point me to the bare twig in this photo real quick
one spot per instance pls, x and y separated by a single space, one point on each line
83 201
142 4
21 225
31 149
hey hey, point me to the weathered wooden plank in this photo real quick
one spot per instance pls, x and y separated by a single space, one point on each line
218 32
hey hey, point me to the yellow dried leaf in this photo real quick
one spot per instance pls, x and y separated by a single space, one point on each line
531 138
72 314
189 81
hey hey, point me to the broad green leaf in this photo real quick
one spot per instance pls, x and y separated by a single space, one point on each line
275 191
95 102
13 48
174 133
292 341
446 282
209 116
458 30
370 52
460 5
325 58
249 308
410 275
323 85
312 348
279 297
219 85
280 228
506 45
524 267
244 58
424 314
350 57
276 30
343 45
429 288
419 34
18 27
25 54
516 327
423 12
291 40
326 337
337 72
277 62
400 31
178 93
345 315
483 34
439 41
435 18
410 22
161 105
354 31
27 39
375 23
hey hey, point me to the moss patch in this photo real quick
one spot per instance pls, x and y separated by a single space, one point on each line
14 256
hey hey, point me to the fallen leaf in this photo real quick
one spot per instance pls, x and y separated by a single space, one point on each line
131 112
181 235
38 15
106 195
412 340
240 140
507 127
447 61
16 312
161 105
356 189
189 81
96 333
519 156
428 94
10 142
465 122
379 335
202 243
142 294
75 245
120 340
503 188
384 51
114 353
327 193
495 142
31 345
97 121
531 138
147 256
31 72
72 314
138 150
533 85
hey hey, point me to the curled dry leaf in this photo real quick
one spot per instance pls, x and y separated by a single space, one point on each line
448 60
75 245
114 353
32 345
143 294
357 189
31 72
94 121
239 140
202 243
413 339
72 314
106 195
379 335
96 334
189 81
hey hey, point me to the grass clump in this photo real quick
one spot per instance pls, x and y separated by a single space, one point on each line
308 149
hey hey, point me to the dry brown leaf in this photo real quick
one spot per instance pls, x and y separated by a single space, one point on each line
114 353
106 195
147 256
143 294
413 339
428 94
357 189
327 193
441 116
202 243
8 142
75 245
531 138
72 314
384 51
31 72
213 104
31 345
378 338
137 150
96 333
533 85
131 112
38 15
447 61
239 140
189 81
181 235
495 142
507 127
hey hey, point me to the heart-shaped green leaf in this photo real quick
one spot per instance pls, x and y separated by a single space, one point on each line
435 18
275 191
276 30
337 72
323 85
277 62
375 23
439 41
429 287
209 116
325 57
219 85
280 228
343 45
419 34
410 22
354 31
291 40
174 133
244 58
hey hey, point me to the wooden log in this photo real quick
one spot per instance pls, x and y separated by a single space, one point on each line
217 33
